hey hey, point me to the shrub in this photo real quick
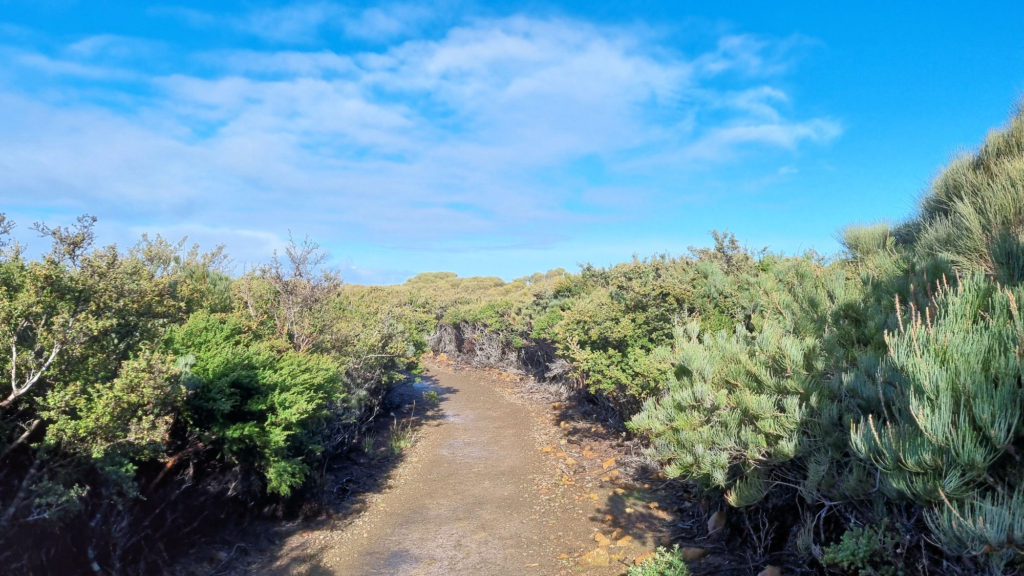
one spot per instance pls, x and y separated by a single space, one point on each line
746 408
127 367
733 409
120 423
259 402
863 242
951 435
974 215
865 551
664 562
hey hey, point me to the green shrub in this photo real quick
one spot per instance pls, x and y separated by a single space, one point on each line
974 215
863 242
127 420
947 431
260 402
865 551
949 439
733 410
746 408
664 562
131 368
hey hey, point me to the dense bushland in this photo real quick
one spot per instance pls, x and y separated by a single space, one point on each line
881 390
866 409
152 395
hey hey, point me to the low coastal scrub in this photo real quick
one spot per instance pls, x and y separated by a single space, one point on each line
879 387
870 400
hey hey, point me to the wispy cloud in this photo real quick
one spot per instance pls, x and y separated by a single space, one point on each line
305 23
388 21
725 142
41 63
189 16
300 23
112 46
466 139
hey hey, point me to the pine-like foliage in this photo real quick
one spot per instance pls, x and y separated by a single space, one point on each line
744 407
148 389
950 438
733 410
947 433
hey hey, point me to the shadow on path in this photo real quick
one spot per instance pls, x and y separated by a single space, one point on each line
347 480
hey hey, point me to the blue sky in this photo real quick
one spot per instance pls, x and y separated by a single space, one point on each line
491 138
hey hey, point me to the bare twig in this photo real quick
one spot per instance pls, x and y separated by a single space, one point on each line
32 427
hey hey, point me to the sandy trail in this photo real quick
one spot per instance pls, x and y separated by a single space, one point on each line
494 488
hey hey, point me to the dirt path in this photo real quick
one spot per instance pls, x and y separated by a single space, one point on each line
493 487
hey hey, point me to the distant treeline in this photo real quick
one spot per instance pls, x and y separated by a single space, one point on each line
867 407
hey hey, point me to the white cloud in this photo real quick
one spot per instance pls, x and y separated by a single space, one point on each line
60 67
387 21
305 23
297 23
464 141
189 16
284 62
724 142
112 46
750 55
759 102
